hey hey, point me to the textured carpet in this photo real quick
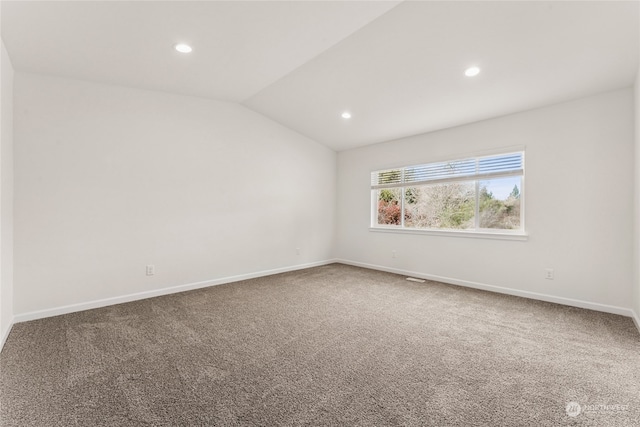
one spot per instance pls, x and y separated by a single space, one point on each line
333 345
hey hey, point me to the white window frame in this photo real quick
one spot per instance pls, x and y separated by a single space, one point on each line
470 174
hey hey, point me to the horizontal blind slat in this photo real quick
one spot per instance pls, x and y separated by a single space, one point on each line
518 172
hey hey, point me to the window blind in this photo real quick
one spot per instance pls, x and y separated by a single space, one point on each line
511 164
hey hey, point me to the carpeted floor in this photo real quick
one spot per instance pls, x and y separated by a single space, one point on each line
334 345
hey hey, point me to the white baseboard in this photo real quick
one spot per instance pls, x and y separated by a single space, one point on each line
5 335
636 320
509 291
24 317
57 311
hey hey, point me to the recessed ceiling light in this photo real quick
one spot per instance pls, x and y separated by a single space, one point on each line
183 48
346 115
472 71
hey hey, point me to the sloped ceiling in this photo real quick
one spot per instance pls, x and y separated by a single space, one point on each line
396 66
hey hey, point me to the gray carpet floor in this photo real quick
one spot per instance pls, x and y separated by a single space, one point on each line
333 345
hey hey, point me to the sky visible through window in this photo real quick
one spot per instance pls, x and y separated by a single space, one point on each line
501 188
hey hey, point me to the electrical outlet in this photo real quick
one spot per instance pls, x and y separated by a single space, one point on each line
151 270
297 251
394 253
548 273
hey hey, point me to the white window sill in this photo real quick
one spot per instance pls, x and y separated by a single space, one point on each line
455 233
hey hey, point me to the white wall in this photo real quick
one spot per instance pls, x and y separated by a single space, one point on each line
109 179
636 257
578 196
6 194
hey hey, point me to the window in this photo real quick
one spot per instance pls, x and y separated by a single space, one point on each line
481 194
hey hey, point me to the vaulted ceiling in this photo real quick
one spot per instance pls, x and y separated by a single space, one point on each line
397 67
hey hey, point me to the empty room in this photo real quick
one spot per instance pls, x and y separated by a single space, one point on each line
331 213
